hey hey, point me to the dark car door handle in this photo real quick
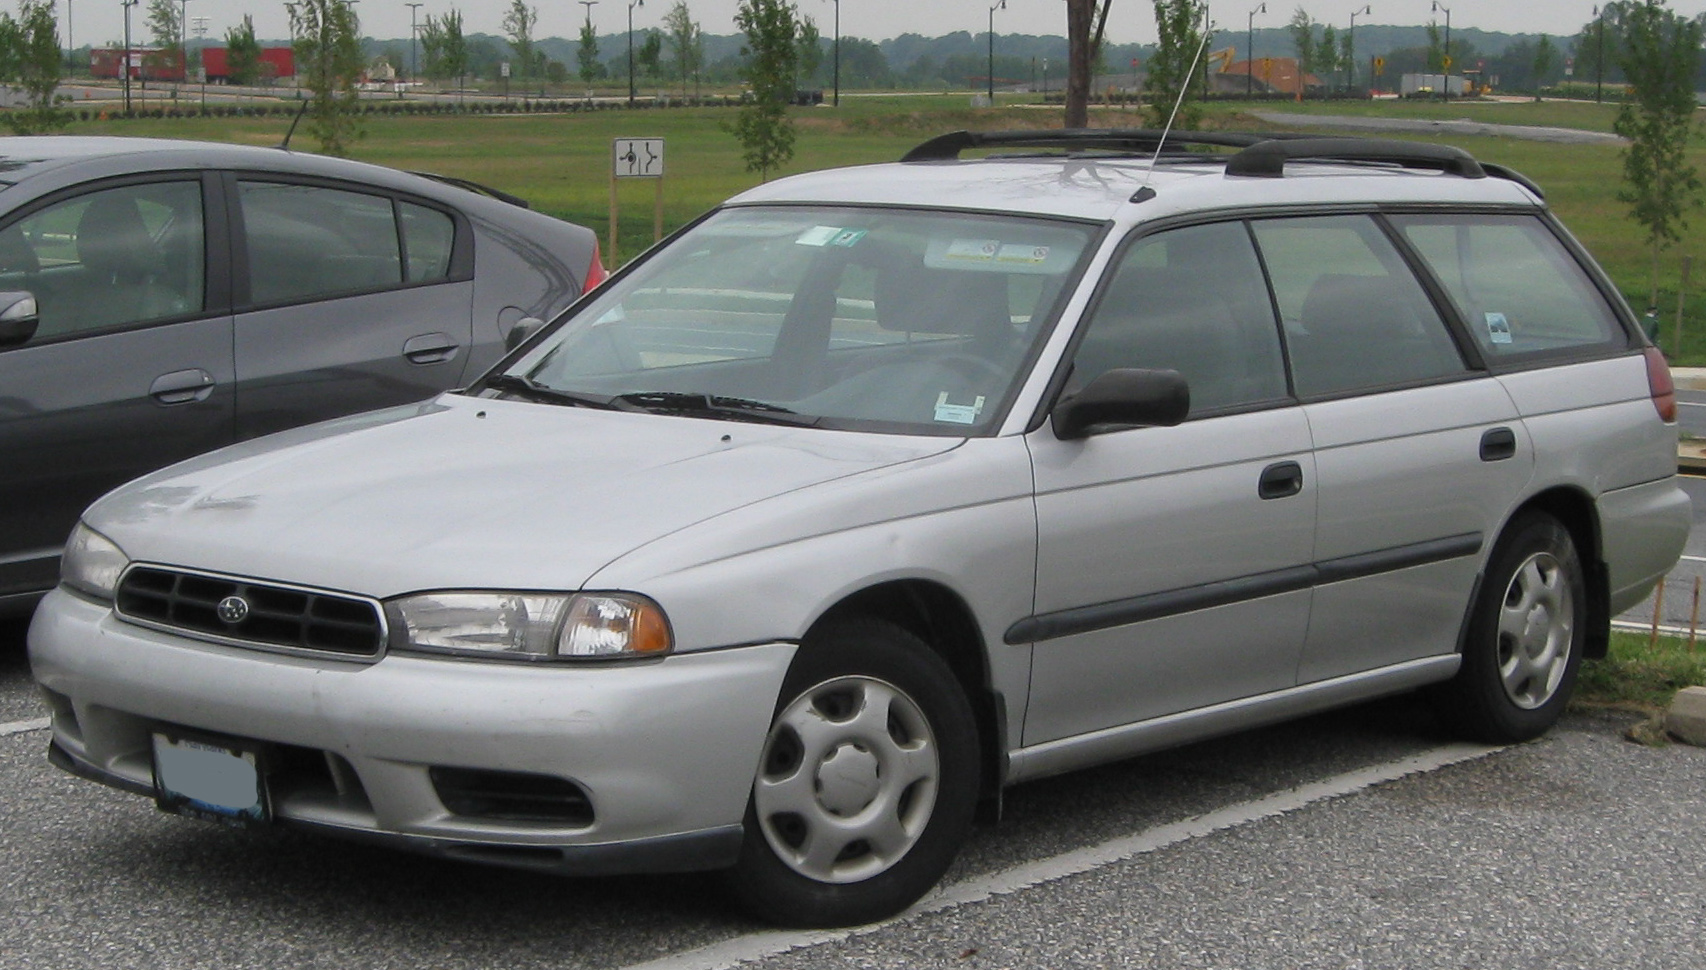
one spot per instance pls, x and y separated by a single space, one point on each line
182 387
1281 480
1498 444
430 348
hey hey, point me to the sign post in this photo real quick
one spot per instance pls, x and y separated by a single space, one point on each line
636 158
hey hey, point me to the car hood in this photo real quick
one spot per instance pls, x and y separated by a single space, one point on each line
465 492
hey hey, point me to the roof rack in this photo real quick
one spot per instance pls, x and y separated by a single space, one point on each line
1267 159
1144 140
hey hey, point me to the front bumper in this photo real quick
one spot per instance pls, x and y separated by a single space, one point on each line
664 751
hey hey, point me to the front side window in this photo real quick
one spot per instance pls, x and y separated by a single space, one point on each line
113 258
1516 287
879 318
1191 300
308 242
1355 317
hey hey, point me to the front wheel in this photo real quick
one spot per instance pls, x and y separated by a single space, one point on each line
866 785
1525 639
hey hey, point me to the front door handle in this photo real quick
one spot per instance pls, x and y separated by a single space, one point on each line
1498 444
1281 480
182 387
430 348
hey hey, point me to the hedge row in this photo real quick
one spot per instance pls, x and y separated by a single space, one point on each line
400 107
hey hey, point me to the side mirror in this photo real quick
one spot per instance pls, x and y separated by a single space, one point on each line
518 334
1126 397
18 318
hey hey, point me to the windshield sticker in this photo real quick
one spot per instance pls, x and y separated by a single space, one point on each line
1498 328
848 238
975 250
818 236
1020 253
958 413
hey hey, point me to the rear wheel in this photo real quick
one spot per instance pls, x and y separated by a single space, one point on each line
1526 636
866 785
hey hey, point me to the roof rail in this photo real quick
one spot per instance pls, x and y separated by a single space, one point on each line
1267 159
948 147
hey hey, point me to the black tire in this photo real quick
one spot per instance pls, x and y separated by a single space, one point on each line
1525 639
853 818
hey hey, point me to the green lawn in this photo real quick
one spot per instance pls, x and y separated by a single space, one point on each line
561 163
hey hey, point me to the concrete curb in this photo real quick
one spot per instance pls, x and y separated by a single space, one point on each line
1686 720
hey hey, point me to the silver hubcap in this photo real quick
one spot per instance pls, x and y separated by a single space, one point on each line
848 781
1536 629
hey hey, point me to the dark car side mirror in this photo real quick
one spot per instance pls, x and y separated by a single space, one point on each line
1126 397
518 334
18 318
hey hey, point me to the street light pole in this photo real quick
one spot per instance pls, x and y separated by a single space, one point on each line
1351 49
1445 62
1598 61
837 101
1000 6
414 38
183 37
1250 52
631 5
124 62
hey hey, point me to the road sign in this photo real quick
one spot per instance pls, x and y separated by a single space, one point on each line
1447 61
638 158
1379 65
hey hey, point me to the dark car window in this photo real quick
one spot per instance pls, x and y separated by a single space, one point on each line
1355 316
307 242
1190 300
1515 285
429 236
111 258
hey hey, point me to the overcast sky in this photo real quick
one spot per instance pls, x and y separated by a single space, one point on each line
101 21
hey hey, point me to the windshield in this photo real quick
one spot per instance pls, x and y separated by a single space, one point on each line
877 319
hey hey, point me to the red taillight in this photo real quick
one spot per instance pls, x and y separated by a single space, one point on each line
1660 384
595 273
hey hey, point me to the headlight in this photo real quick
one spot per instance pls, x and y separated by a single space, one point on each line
92 563
532 626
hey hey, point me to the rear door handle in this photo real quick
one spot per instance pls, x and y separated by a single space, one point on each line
430 348
1281 480
1498 444
182 387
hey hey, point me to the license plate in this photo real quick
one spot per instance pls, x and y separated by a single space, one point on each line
215 780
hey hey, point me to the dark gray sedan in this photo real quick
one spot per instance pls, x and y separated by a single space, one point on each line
159 299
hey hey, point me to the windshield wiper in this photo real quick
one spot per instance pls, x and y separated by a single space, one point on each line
713 406
529 388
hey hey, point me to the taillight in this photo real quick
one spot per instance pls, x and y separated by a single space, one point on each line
595 273
1659 383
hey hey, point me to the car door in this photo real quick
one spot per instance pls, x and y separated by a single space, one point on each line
129 368
1173 563
1418 455
350 300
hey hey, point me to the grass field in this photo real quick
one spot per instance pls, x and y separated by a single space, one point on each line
561 163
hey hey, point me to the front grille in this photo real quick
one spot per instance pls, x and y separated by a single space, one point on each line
269 614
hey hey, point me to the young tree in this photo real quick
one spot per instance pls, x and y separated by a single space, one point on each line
1660 54
1436 49
686 42
329 62
163 23
772 53
591 69
1173 79
518 28
649 55
1303 30
431 37
30 57
1544 56
1085 24
243 53
455 54
811 52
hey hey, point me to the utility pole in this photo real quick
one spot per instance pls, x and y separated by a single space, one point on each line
999 6
414 35
1250 52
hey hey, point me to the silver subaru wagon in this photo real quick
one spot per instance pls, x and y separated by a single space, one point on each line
876 490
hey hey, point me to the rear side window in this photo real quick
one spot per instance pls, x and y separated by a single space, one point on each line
1517 288
309 242
1355 316
428 235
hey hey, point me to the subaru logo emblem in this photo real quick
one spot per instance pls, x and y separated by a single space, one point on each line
232 610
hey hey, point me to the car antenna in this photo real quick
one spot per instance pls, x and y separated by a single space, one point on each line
285 145
1180 100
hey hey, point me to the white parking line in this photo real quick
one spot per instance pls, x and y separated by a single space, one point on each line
758 946
23 727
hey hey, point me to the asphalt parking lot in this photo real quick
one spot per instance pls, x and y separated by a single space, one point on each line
1307 845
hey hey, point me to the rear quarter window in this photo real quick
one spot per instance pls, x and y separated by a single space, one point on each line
1520 292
